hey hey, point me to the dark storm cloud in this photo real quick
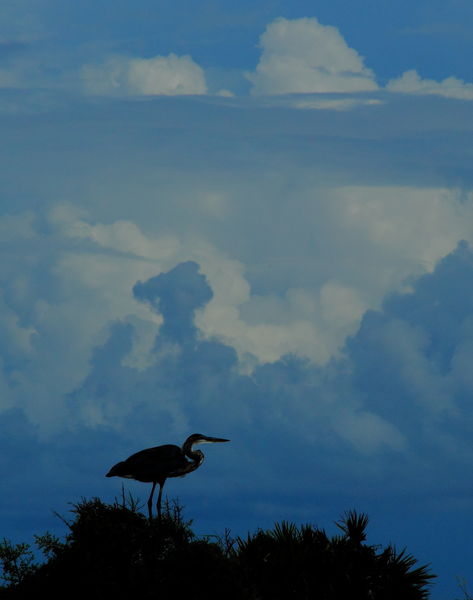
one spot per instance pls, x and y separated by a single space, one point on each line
410 362
176 295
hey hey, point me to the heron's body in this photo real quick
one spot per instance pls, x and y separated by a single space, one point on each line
155 465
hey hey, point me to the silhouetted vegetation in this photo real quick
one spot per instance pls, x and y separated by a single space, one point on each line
462 584
113 551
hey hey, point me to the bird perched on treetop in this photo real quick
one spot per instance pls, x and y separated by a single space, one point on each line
155 465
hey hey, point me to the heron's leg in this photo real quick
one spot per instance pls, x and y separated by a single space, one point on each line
158 503
150 502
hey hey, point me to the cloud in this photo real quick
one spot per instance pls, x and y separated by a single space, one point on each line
400 221
72 278
410 82
130 319
332 103
176 295
259 327
170 75
403 369
293 285
400 385
192 378
408 359
302 56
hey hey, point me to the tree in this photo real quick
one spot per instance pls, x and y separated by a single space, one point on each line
114 551
303 562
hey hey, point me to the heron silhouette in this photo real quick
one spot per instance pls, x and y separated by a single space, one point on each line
155 465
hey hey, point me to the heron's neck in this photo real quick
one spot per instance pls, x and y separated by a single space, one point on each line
195 455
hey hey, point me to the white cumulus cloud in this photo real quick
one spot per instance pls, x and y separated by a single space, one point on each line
411 82
303 56
170 75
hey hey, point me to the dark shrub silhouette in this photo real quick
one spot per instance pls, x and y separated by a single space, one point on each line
113 551
292 562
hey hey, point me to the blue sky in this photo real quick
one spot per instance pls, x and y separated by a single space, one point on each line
254 222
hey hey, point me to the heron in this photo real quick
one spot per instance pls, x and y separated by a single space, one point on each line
155 465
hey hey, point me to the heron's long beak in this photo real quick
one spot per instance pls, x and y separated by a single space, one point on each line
212 440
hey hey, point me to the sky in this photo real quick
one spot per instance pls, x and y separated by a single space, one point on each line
251 220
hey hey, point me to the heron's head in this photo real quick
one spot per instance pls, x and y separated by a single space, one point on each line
199 438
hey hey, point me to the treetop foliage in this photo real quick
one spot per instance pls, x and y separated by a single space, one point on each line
113 551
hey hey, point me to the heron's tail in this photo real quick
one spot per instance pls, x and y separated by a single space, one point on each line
116 470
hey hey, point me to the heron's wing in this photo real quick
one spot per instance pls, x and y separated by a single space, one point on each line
158 453
155 463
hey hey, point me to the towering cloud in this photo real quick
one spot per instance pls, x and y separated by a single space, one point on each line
301 55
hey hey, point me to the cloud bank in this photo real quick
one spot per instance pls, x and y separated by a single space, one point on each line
401 384
298 56
163 327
